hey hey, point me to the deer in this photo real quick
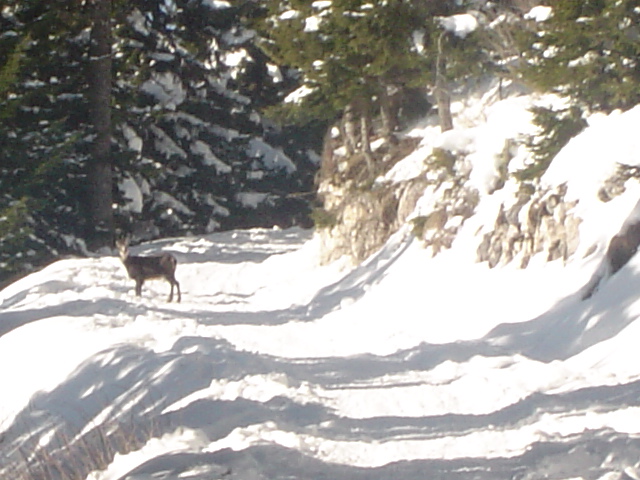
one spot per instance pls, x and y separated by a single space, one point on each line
141 268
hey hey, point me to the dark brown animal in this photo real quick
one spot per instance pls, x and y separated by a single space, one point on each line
141 268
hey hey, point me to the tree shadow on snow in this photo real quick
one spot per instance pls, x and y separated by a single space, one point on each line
353 286
574 324
551 460
76 308
133 388
145 393
234 247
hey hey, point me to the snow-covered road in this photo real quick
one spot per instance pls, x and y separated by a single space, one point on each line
275 367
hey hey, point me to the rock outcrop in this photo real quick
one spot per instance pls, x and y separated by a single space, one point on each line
538 222
362 209
364 220
360 213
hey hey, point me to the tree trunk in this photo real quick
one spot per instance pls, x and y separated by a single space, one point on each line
443 98
349 130
365 131
388 111
444 107
99 175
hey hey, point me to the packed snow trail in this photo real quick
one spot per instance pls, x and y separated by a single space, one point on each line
219 385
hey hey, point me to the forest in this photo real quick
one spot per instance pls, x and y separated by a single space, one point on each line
180 117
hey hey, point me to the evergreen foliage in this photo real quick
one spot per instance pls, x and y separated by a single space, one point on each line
589 50
345 50
586 51
557 127
191 150
189 145
353 54
41 146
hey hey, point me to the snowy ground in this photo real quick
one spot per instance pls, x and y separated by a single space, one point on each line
272 367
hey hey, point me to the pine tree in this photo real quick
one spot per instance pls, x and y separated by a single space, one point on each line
353 54
349 53
589 50
40 151
189 85
187 143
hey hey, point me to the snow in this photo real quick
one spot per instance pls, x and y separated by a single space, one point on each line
171 203
166 88
270 157
405 366
312 24
134 141
460 25
216 4
298 94
251 199
539 13
483 142
236 58
289 14
607 139
605 144
209 158
166 145
139 22
275 73
322 4
132 195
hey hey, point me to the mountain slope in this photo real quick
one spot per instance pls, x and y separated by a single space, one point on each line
408 365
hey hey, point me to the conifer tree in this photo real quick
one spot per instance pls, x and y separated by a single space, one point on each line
349 52
190 151
189 85
586 51
589 51
40 150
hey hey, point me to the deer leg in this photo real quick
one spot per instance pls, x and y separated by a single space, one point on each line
178 288
172 280
139 287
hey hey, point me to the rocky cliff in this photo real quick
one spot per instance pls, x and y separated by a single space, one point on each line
435 183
